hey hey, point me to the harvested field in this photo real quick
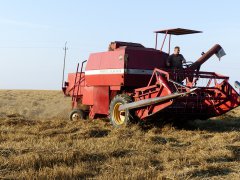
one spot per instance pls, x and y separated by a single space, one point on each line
38 141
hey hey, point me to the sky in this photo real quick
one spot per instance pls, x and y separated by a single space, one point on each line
33 34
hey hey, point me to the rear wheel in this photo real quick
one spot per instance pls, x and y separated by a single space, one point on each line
120 118
77 114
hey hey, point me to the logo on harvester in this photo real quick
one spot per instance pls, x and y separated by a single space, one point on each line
110 71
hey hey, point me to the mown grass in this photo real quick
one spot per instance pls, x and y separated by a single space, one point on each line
44 147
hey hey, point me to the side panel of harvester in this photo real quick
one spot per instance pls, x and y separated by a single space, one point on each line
140 64
104 71
105 68
125 66
117 70
96 97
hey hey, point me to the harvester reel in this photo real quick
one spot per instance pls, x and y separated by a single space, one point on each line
120 118
77 114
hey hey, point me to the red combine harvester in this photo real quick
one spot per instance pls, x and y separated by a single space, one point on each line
130 81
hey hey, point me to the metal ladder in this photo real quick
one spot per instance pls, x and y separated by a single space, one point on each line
74 97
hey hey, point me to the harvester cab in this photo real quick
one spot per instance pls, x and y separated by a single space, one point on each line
169 32
130 81
218 51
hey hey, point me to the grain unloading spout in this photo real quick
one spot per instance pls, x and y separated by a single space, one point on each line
216 49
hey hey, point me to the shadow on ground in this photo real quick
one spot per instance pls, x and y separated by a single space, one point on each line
227 123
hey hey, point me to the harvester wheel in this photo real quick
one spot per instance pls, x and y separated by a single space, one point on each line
77 114
119 118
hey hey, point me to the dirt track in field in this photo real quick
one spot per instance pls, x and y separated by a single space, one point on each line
38 141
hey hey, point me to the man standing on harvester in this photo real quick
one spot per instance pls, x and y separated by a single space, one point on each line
176 60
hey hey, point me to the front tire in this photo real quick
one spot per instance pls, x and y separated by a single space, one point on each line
76 115
120 118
